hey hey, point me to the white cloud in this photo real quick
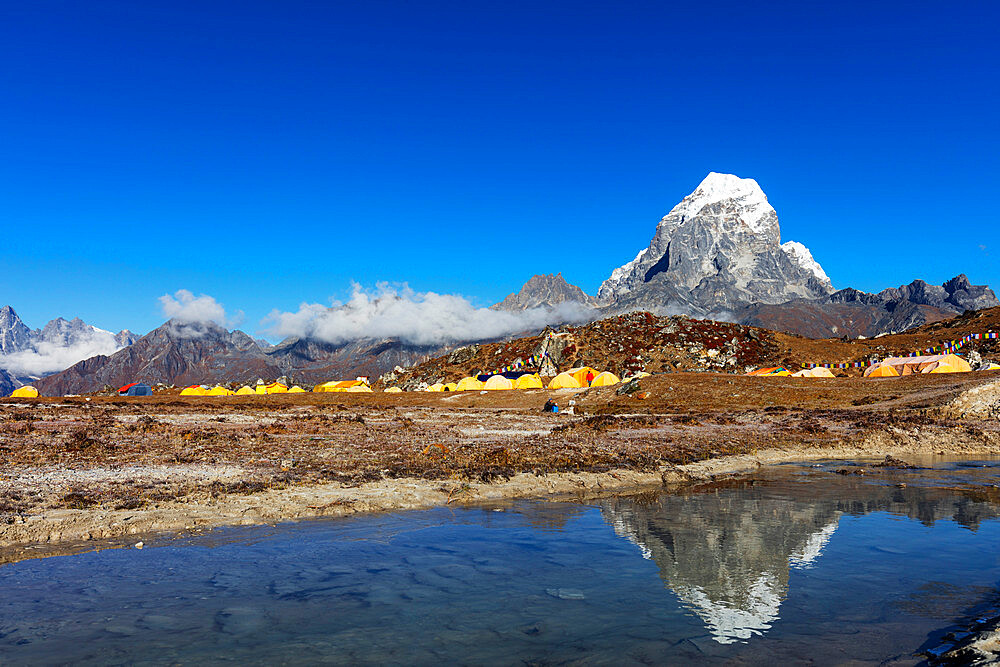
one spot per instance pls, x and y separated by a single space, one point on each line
419 318
189 313
51 357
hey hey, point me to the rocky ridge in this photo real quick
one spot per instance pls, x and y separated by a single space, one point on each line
545 291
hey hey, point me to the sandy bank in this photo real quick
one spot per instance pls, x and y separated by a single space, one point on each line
67 530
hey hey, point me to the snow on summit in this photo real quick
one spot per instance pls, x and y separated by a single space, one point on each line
716 187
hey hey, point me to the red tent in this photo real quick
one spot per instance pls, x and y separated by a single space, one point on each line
125 388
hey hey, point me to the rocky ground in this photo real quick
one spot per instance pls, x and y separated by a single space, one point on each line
94 468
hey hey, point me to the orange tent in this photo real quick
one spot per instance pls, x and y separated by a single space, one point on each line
882 372
774 370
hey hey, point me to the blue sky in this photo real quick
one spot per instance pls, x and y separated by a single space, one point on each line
269 154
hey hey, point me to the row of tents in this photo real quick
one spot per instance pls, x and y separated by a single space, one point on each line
936 363
781 371
891 367
259 389
574 378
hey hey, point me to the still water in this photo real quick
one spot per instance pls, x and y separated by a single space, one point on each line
796 564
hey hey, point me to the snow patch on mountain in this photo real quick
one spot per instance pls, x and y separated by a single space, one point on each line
801 256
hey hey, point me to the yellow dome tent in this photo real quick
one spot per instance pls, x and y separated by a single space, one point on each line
817 372
564 381
943 368
497 382
260 389
469 384
276 388
528 382
450 386
219 391
359 389
296 390
244 391
990 367
194 390
437 386
950 363
605 379
393 390
337 386
27 391
882 372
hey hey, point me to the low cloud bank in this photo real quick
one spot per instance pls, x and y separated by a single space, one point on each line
50 357
417 318
190 315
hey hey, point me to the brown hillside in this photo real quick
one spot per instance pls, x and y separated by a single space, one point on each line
645 342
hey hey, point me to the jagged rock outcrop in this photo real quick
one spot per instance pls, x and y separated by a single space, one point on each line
544 291
719 249
14 334
956 295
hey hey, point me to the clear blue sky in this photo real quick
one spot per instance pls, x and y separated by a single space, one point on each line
268 153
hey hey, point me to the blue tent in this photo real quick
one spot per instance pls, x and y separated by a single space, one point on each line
137 389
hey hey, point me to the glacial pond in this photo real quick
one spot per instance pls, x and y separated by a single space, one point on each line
797 563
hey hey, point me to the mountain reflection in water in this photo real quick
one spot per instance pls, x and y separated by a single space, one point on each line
726 550
795 565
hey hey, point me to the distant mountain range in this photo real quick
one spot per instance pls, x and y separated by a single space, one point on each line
716 254
28 354
185 353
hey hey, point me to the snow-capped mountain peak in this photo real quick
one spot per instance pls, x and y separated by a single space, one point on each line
750 200
717 250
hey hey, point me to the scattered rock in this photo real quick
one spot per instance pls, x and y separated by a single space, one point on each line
891 462
629 387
